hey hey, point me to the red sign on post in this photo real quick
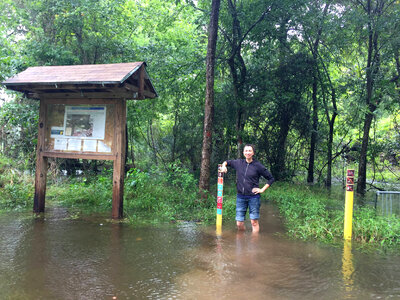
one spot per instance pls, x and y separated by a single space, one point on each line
350 180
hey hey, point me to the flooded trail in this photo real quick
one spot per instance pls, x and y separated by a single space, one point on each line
57 257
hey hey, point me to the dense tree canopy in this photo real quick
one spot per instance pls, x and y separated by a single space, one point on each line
313 84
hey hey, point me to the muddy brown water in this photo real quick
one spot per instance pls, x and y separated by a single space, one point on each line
57 257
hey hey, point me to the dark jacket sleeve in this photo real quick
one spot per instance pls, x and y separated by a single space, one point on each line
232 163
267 175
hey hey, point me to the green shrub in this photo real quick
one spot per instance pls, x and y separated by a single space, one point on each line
95 193
17 195
369 227
154 196
164 195
16 189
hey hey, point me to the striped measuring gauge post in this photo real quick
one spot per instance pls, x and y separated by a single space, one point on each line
348 207
220 197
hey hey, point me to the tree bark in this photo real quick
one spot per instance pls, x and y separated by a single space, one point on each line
174 135
204 181
314 133
278 167
331 123
313 142
373 65
238 72
238 67
151 141
362 167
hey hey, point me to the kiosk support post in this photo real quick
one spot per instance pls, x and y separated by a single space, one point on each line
41 163
119 162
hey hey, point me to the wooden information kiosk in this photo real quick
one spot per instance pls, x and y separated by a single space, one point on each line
83 116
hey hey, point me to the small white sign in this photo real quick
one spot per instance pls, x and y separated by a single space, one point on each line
89 145
60 144
74 144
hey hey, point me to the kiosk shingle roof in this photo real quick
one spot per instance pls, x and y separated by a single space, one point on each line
114 80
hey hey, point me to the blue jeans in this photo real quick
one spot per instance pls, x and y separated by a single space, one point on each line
243 202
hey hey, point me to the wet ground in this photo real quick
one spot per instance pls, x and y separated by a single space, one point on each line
58 257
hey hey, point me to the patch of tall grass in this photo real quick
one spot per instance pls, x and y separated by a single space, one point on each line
311 214
93 194
16 188
170 195
149 196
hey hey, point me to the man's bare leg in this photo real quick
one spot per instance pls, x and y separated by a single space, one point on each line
255 226
240 225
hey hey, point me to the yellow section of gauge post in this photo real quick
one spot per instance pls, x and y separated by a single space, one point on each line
348 208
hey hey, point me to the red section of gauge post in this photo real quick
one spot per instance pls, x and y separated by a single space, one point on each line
350 180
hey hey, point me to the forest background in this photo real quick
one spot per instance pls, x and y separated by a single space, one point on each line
313 84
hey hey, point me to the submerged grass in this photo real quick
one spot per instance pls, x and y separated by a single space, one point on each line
311 214
171 196
149 197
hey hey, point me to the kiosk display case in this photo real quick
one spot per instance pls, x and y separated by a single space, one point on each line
83 116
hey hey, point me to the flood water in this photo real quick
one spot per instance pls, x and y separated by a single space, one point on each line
57 257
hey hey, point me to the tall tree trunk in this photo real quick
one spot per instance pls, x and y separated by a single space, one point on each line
130 141
313 142
238 67
238 94
278 168
239 130
373 65
314 133
133 154
362 166
238 73
331 123
174 135
151 141
204 181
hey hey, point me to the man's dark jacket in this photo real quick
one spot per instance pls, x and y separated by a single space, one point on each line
248 175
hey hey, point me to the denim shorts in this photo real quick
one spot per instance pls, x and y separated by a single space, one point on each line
243 202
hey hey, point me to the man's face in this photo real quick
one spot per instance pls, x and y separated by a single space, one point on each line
248 152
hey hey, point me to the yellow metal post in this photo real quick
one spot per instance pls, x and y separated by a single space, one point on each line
347 266
220 192
348 210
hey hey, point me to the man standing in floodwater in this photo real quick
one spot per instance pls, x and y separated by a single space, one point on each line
248 173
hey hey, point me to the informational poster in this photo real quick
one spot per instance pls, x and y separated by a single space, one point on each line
86 122
81 128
